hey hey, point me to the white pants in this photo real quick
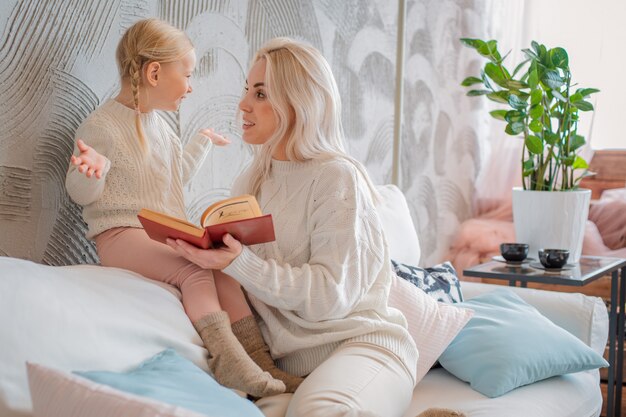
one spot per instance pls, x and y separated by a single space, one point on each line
357 380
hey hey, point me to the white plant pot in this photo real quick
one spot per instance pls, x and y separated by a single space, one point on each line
551 220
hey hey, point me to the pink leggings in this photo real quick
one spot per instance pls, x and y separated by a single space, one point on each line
132 249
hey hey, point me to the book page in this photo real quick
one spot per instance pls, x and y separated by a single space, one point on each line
231 209
172 222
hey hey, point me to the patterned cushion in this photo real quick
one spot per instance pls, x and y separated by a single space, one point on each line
439 281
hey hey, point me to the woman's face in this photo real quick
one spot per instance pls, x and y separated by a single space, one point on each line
259 119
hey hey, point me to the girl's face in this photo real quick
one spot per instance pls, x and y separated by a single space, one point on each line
173 83
259 119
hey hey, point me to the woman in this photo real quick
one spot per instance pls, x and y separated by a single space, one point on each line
321 288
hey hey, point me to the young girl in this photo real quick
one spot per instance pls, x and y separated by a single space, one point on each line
322 287
128 158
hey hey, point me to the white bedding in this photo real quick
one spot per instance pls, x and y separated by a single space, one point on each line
83 318
573 395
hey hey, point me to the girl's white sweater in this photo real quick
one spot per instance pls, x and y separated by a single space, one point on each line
134 178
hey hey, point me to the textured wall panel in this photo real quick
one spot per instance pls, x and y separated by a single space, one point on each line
57 65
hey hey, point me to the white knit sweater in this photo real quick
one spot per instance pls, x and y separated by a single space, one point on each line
326 279
133 178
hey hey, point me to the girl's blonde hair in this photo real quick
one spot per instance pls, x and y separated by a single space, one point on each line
146 41
299 82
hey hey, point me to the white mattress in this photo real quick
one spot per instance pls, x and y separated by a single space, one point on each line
562 396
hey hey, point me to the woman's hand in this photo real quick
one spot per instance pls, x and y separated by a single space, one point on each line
89 161
218 258
215 138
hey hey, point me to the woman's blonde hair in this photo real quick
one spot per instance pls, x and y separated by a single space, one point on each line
299 82
146 41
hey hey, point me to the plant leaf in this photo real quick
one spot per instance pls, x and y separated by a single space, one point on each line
559 58
514 116
575 97
533 78
580 163
576 142
497 74
544 57
559 96
517 103
499 96
535 97
486 81
583 105
568 160
535 126
514 128
515 85
473 93
587 91
536 111
472 43
528 167
530 54
471 81
489 50
535 47
534 144
552 79
498 114
551 138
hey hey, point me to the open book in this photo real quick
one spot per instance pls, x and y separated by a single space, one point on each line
240 216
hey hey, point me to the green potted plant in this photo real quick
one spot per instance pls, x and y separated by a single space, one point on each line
543 106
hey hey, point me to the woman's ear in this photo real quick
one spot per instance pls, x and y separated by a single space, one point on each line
153 70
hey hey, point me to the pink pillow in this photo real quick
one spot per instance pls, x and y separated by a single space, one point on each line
57 393
432 324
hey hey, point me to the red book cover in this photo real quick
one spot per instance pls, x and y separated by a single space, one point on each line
250 231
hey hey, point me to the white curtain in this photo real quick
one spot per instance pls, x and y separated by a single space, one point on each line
593 34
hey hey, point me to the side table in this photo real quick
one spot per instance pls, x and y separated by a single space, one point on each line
589 269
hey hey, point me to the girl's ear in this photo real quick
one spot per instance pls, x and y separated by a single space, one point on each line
153 70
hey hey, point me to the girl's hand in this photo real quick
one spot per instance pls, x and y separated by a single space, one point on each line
89 161
215 138
218 258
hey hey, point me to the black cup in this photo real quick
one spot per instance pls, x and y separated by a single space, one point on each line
553 258
514 252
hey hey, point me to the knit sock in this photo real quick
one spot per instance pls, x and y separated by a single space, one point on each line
249 335
440 412
228 360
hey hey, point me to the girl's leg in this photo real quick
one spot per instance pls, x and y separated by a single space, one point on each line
132 249
358 379
247 330
231 296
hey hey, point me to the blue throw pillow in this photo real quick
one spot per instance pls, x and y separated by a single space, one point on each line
508 343
172 379
439 281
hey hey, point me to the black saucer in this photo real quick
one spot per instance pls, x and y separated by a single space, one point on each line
501 259
565 267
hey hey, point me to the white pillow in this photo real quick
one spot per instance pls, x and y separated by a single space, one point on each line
82 318
404 246
61 394
432 324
